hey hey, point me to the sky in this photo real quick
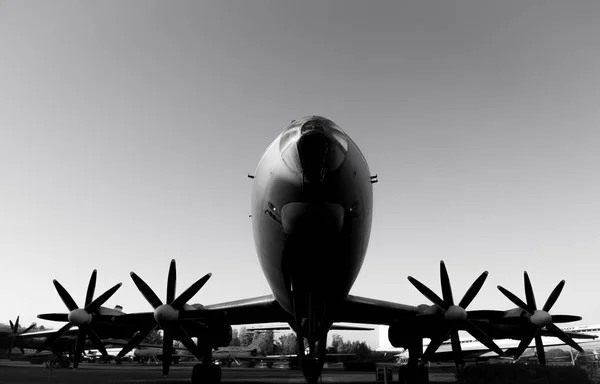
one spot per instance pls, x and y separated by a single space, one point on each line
128 130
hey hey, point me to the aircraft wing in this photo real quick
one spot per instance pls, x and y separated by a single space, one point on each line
356 309
286 327
261 309
46 333
255 310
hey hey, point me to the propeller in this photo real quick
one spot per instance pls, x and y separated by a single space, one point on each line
80 317
540 318
455 316
14 327
167 316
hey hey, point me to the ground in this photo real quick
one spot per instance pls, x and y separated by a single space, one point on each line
12 372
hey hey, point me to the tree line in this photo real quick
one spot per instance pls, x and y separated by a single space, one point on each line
286 344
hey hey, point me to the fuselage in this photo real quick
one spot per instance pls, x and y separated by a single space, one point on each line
312 202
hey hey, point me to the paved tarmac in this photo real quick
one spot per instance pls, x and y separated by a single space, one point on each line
14 372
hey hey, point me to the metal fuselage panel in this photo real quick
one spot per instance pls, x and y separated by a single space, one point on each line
311 261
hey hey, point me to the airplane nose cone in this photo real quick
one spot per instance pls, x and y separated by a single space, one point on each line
313 148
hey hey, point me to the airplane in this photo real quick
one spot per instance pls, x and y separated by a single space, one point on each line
93 354
10 333
473 349
237 353
311 214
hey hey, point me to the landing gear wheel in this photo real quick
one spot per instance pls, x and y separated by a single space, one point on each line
402 374
413 375
311 370
206 374
422 374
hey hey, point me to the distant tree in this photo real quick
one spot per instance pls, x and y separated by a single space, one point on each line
235 339
337 343
264 341
245 337
287 344
359 348
37 327
154 337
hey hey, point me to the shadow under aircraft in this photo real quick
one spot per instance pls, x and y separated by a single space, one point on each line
312 208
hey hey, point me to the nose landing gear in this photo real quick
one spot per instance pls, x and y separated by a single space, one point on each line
207 372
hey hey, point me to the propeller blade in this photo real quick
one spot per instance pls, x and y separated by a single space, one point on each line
529 292
433 346
575 335
539 347
64 295
482 337
16 325
187 341
146 291
91 288
171 282
565 318
446 288
96 340
80 343
190 292
53 337
54 316
524 344
12 326
27 329
518 302
456 349
136 340
428 293
564 338
554 296
94 305
473 291
167 350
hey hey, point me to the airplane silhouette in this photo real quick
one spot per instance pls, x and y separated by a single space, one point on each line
312 208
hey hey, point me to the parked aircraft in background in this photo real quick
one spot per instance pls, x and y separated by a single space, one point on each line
587 335
311 211
238 353
9 333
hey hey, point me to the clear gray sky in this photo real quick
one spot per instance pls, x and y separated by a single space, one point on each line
128 128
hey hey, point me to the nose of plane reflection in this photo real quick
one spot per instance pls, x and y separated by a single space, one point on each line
324 218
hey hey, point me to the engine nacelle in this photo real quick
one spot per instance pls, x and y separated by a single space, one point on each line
404 335
219 335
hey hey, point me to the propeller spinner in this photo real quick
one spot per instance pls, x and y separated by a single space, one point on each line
81 317
455 316
167 316
540 318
